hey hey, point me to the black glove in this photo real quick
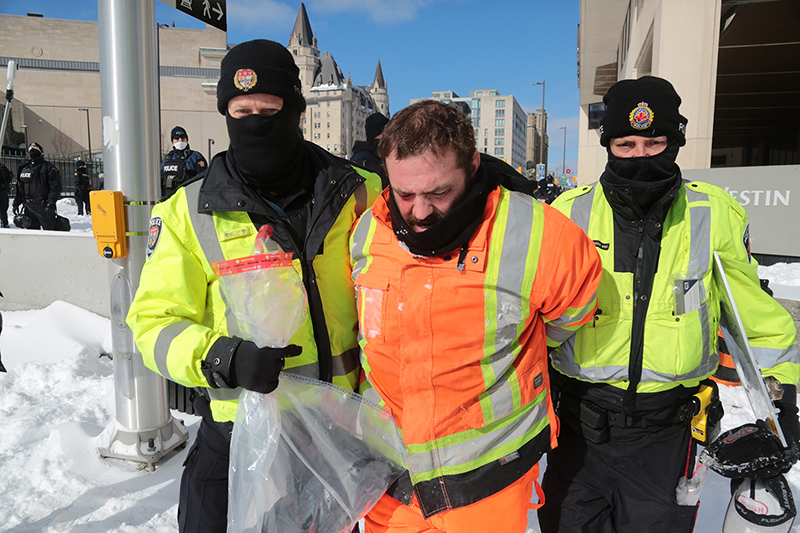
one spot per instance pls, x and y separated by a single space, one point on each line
257 369
788 415
17 209
50 211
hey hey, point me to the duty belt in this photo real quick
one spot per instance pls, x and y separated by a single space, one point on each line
593 422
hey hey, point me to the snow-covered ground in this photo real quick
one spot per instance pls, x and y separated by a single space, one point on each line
58 396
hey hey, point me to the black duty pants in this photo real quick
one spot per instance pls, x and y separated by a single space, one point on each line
3 207
40 213
82 199
624 485
203 505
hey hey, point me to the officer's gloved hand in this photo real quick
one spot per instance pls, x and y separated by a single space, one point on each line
17 209
257 369
788 415
50 211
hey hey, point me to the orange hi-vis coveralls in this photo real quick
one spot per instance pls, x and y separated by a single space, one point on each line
455 346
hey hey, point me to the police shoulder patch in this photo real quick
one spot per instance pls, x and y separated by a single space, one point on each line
154 235
201 163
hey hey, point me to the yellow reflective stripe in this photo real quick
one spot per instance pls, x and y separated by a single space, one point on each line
507 301
468 450
360 241
573 314
164 340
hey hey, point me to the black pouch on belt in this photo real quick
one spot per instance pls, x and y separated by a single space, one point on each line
585 418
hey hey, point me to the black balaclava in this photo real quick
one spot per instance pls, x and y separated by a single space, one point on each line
267 150
647 178
454 229
36 153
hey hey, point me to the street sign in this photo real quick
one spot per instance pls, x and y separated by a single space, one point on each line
568 171
540 170
208 11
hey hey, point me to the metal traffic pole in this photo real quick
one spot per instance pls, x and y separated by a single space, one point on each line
144 429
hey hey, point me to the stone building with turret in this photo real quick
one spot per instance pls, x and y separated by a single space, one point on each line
337 108
57 92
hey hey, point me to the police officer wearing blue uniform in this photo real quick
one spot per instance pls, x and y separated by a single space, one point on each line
181 163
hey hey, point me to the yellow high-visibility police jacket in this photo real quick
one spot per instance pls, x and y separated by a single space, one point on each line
180 317
678 339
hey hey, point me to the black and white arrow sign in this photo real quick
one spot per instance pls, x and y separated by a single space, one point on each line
209 11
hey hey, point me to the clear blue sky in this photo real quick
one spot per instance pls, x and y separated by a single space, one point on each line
423 46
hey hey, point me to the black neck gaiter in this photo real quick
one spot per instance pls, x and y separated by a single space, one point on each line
454 229
266 151
647 178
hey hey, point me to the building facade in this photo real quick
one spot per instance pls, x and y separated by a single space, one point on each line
499 121
734 64
538 142
337 108
57 89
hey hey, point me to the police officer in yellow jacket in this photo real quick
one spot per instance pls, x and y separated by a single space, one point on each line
180 318
623 382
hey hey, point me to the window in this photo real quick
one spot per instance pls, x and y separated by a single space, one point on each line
476 104
329 114
498 151
499 132
499 112
596 114
477 132
329 124
485 132
499 142
329 135
500 122
335 147
329 103
479 94
485 142
492 93
328 148
434 95
499 103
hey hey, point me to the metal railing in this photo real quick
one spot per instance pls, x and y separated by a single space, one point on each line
65 166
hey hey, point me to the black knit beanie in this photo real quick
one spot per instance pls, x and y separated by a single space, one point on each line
647 107
374 125
178 131
259 66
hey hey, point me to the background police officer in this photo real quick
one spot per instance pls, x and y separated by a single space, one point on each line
181 163
365 153
82 187
38 189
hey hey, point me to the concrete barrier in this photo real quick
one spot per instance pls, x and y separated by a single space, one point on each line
40 267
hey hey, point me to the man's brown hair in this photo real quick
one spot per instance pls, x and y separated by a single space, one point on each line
429 126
